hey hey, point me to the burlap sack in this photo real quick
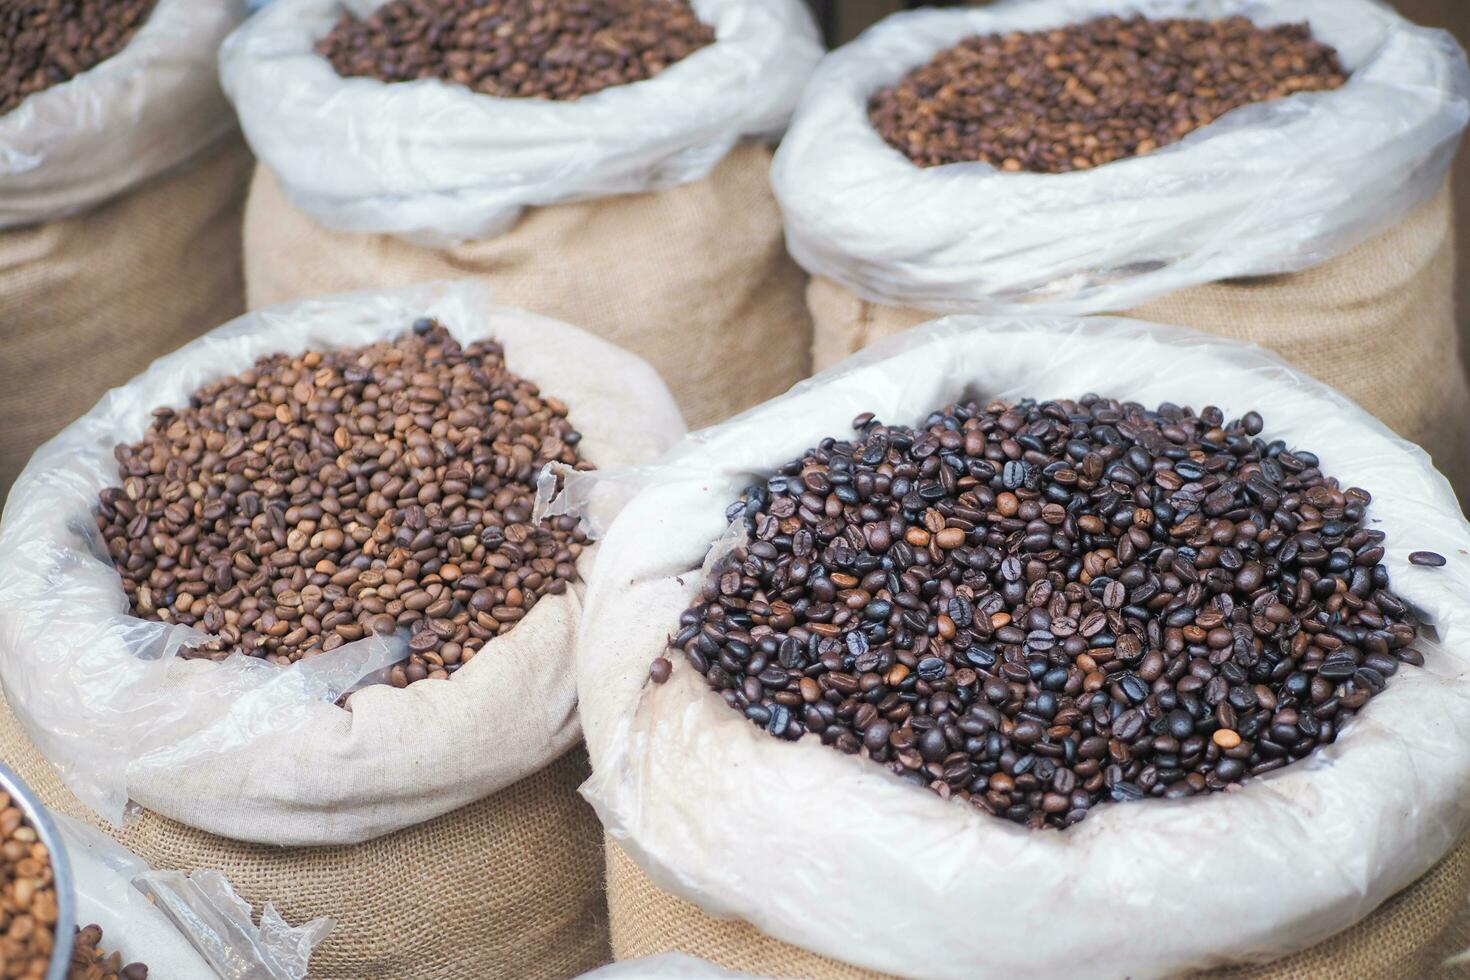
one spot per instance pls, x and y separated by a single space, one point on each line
88 301
449 802
641 212
694 279
913 885
505 888
120 200
1410 935
1377 323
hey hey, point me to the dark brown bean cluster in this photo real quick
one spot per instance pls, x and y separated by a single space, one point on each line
551 49
46 42
1043 606
1095 92
314 500
88 962
28 907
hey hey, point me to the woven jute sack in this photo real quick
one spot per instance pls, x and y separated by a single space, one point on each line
121 193
909 884
642 212
1410 935
1377 323
449 802
88 301
694 279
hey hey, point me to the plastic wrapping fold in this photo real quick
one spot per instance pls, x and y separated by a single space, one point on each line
667 966
194 927
1269 188
721 814
150 107
248 749
436 162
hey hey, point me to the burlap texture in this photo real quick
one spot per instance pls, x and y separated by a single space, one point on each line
87 302
694 279
1377 323
1408 936
505 888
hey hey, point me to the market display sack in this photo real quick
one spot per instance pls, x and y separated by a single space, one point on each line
642 212
1318 225
121 193
445 801
1303 862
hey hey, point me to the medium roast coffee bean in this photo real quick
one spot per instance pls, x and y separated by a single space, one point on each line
313 500
88 962
1122 658
1091 93
28 902
47 42
551 49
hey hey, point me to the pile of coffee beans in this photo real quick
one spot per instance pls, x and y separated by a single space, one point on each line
320 498
28 905
46 42
549 49
88 962
1042 606
1095 92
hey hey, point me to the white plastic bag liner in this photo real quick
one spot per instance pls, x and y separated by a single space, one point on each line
1268 188
666 966
255 751
437 162
153 105
702 800
199 930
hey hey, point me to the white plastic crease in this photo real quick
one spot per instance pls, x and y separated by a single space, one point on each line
248 749
198 930
702 800
154 105
1269 188
437 163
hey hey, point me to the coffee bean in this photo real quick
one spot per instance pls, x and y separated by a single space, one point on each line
29 901
47 42
1120 661
88 962
552 49
659 670
1428 558
397 495
1093 92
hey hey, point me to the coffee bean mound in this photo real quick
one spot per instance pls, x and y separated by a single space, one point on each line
28 907
318 498
1045 606
88 962
47 42
550 49
1099 91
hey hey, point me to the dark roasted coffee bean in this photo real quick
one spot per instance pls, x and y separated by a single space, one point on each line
660 669
552 49
1180 628
1428 558
313 500
46 42
1093 92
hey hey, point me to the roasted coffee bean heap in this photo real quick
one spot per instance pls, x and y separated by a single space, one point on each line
88 962
46 42
550 49
318 498
28 909
1095 92
1043 606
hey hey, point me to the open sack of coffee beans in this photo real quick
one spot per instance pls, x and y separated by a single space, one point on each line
1270 171
121 190
1003 677
599 162
286 588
